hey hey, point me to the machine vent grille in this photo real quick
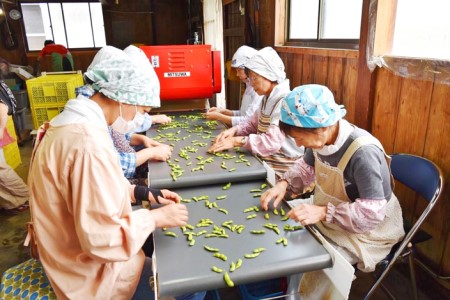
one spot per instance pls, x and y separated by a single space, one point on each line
177 60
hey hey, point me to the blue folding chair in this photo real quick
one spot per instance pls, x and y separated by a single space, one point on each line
426 179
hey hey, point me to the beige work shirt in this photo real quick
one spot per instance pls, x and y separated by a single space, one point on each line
88 237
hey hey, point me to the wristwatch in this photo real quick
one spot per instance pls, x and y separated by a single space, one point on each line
243 140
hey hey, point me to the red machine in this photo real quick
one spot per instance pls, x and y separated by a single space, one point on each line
186 71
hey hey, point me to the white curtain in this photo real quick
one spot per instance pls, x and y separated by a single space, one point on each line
213 30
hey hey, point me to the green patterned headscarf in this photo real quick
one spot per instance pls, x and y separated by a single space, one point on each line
125 76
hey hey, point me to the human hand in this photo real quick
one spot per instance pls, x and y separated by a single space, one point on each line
161 152
213 109
169 197
225 134
275 193
172 215
161 119
306 214
212 115
148 142
223 144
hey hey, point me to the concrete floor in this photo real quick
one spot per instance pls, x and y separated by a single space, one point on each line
13 232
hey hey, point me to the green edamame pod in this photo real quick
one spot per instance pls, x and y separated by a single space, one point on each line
259 250
238 263
252 255
227 279
223 210
220 256
232 267
210 249
201 232
170 233
216 269
227 186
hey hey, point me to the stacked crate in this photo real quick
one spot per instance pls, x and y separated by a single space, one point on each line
11 151
49 93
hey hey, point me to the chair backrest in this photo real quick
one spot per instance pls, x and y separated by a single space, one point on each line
418 173
422 176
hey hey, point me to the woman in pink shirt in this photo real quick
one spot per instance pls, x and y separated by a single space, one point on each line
89 239
260 133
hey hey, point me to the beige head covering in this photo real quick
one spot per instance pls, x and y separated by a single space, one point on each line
268 64
125 76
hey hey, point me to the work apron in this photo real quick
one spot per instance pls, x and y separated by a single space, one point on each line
369 248
279 161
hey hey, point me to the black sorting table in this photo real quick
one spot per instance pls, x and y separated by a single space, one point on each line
182 268
192 132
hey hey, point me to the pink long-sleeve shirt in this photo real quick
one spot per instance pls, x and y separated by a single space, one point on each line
273 140
89 239
360 216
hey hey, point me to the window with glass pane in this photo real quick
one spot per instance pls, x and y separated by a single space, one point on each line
324 20
74 25
422 30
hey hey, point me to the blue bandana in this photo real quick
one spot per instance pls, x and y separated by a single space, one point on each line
311 106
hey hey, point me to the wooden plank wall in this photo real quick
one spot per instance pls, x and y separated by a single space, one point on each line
408 115
234 37
413 116
337 70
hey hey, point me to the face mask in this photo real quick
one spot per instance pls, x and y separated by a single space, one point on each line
139 120
121 125
146 123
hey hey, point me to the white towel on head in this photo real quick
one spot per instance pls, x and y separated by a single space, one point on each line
268 64
242 56
125 76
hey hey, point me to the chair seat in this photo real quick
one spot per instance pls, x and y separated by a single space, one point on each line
420 236
26 281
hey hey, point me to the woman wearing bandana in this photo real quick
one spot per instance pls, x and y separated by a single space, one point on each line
250 99
353 206
88 237
261 134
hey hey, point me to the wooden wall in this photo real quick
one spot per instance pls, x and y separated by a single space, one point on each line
413 116
336 69
234 36
406 115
